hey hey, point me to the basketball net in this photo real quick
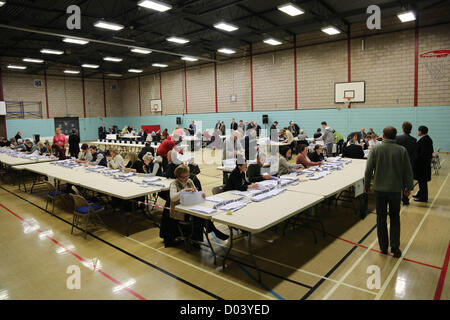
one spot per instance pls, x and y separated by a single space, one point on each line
347 101
436 63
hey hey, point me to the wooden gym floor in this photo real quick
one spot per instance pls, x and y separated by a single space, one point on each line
36 250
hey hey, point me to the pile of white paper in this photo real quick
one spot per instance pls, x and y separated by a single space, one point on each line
267 195
234 206
202 209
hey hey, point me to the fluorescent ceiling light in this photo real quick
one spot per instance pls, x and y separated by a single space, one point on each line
160 65
13 66
272 42
76 41
225 26
189 59
155 5
226 51
291 9
136 70
2 3
178 40
406 16
331 31
33 60
141 51
91 66
50 51
114 75
109 25
72 71
112 59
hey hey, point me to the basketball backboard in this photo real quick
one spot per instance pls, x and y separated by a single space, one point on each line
354 90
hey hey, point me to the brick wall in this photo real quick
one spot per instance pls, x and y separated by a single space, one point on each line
386 64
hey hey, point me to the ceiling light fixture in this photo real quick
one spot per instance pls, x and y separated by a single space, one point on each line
155 5
136 70
13 66
109 25
76 41
291 9
91 66
141 51
178 40
72 71
51 51
189 59
226 51
406 16
225 26
112 59
272 42
331 31
33 60
160 65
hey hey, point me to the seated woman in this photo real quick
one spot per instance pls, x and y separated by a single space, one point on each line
284 167
303 158
133 162
151 166
317 155
169 229
237 179
58 152
42 148
85 154
115 160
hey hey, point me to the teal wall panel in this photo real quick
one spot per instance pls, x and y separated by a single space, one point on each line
342 120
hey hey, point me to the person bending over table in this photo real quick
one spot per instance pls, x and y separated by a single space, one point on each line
284 167
303 158
149 167
43 150
237 179
115 160
30 147
98 158
85 154
168 145
317 155
58 152
354 151
254 170
19 146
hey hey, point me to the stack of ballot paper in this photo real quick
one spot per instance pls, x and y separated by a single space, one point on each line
236 205
127 175
202 209
154 179
96 168
214 199
190 198
110 172
267 195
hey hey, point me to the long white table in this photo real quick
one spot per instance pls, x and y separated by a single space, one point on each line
13 161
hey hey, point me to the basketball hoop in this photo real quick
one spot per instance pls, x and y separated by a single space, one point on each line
348 101
436 63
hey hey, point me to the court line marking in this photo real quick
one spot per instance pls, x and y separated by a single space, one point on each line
83 260
304 271
192 285
394 269
440 286
201 269
360 259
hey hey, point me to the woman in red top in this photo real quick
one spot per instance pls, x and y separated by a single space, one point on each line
60 140
303 159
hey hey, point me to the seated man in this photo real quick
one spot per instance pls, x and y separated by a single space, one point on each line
98 158
254 170
354 151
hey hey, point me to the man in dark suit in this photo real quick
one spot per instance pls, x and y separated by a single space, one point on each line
422 164
353 151
274 131
410 144
257 128
250 145
294 128
102 132
234 125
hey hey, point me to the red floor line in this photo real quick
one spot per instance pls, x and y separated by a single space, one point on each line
78 257
440 286
378 251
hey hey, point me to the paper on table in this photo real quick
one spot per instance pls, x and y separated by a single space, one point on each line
152 180
190 198
203 209
214 199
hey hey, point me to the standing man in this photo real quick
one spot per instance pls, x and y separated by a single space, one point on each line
422 164
294 128
242 125
274 131
257 128
234 125
410 145
192 128
102 132
328 138
389 164
217 127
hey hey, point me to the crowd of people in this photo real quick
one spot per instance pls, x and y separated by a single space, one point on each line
394 161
